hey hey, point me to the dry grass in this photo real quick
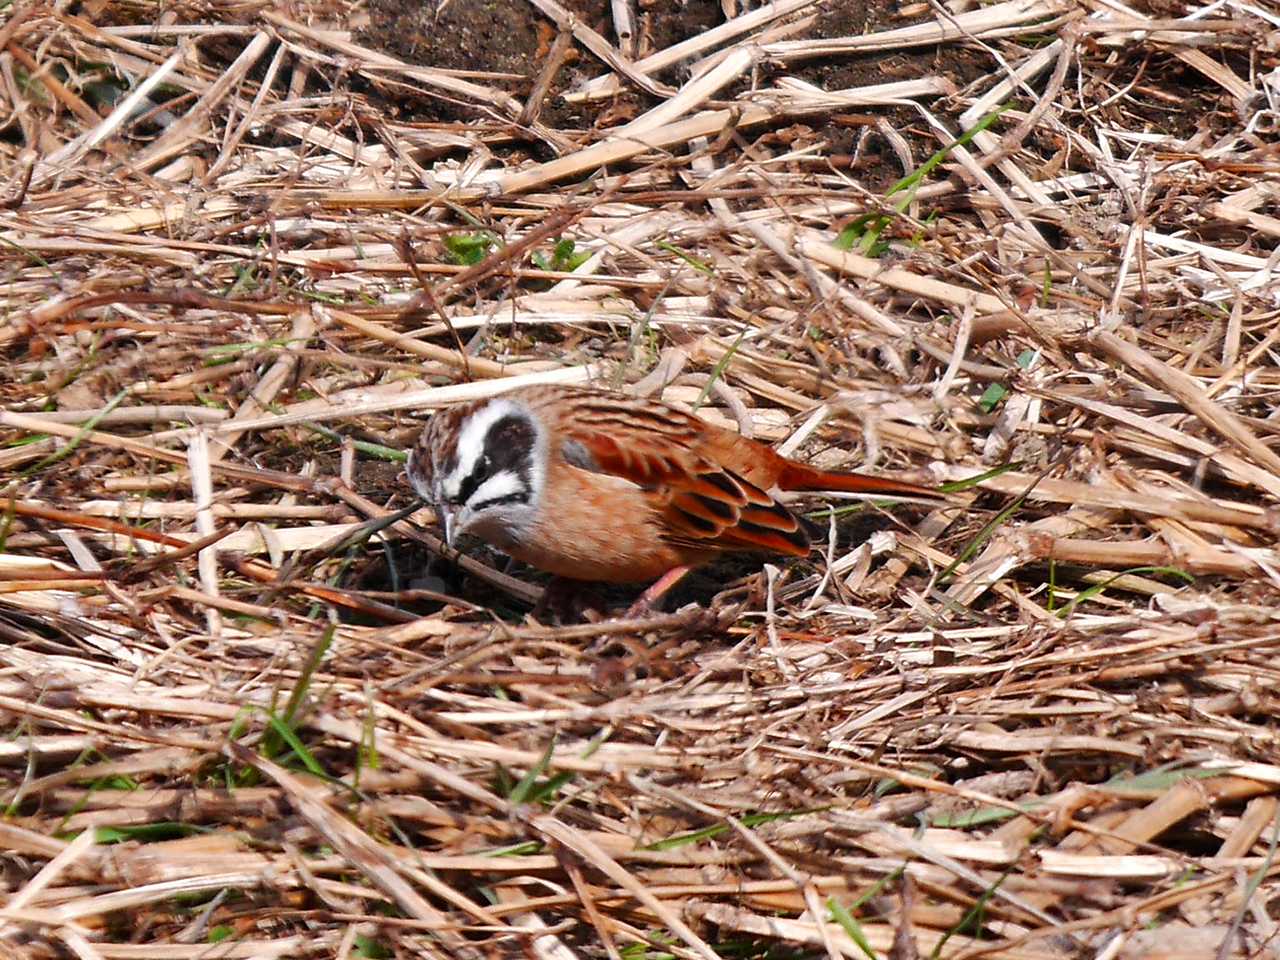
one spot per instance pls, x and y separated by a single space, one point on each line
1040 728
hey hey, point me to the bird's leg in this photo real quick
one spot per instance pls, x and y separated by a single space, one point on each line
646 602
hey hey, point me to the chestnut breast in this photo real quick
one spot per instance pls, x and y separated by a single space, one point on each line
593 526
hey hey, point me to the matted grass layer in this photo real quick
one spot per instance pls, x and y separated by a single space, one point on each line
247 717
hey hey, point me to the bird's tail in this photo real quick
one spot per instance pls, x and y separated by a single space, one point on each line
796 476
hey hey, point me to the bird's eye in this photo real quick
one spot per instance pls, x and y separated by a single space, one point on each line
486 464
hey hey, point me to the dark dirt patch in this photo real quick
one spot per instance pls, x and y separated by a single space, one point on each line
507 36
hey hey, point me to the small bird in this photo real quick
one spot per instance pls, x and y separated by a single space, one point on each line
597 486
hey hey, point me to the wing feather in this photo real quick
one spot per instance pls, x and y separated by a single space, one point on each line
702 503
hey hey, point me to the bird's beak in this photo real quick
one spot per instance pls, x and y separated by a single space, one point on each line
445 516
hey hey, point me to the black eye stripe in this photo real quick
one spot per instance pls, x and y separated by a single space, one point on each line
470 484
521 497
507 446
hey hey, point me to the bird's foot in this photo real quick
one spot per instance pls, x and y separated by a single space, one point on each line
569 601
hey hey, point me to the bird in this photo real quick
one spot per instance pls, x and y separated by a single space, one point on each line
592 485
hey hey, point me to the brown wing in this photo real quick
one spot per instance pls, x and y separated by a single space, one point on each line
671 454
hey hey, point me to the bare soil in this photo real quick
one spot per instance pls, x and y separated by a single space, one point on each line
508 37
